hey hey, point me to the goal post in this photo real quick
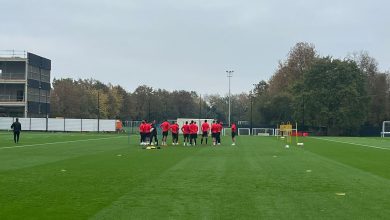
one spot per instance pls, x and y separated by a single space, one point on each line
263 131
385 129
244 131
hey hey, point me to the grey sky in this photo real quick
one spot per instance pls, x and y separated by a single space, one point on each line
178 44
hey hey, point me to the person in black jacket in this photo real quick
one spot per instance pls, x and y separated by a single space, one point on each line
17 127
153 134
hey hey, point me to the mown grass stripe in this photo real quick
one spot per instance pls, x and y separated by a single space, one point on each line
351 143
59 142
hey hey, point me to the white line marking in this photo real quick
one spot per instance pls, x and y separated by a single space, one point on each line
343 142
60 142
340 194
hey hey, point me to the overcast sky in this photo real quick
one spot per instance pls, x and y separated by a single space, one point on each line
179 44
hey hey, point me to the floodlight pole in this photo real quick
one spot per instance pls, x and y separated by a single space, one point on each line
303 111
98 115
229 75
47 115
200 106
251 96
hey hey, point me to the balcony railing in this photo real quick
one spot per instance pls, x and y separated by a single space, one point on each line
11 98
12 76
13 53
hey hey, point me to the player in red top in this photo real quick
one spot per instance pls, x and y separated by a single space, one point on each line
165 128
147 128
186 132
175 133
205 131
193 133
214 132
234 130
220 127
142 133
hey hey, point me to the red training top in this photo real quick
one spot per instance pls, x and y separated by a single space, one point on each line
193 128
175 128
147 128
141 128
185 129
219 127
205 127
214 128
165 126
234 128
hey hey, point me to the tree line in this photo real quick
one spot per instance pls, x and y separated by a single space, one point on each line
321 93
324 94
92 99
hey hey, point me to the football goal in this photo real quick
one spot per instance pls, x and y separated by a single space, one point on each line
385 129
263 131
199 122
226 132
244 131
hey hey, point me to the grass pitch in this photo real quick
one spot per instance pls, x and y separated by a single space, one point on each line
102 176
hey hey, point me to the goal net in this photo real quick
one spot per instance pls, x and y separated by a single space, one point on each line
244 131
199 122
131 126
385 129
227 132
263 131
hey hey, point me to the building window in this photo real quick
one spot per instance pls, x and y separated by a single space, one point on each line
19 95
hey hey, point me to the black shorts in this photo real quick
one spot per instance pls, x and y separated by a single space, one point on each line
165 133
147 135
175 136
186 135
205 134
193 136
233 134
214 135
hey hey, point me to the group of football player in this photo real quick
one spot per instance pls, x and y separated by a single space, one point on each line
148 133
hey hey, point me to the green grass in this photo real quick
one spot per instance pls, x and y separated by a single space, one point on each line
259 178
